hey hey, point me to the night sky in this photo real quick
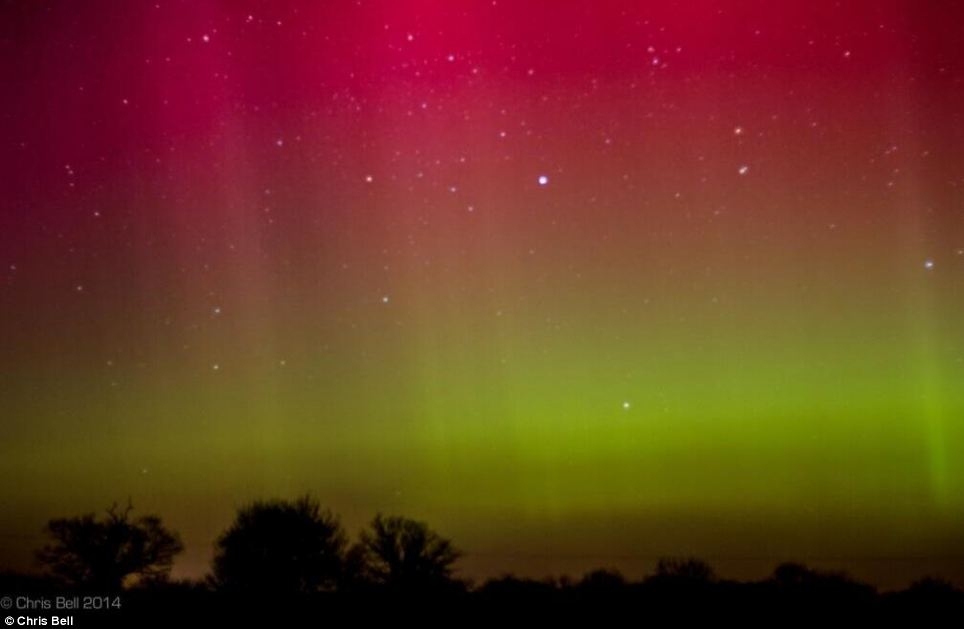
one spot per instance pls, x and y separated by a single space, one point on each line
579 284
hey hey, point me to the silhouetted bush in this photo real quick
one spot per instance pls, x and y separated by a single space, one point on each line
512 587
933 586
800 577
602 581
688 571
934 594
791 574
795 586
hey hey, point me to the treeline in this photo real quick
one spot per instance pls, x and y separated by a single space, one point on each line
296 551
273 547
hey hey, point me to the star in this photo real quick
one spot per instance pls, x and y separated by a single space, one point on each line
543 180
928 264
385 299
744 169
626 406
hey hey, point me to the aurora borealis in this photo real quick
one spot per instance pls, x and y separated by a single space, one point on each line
579 283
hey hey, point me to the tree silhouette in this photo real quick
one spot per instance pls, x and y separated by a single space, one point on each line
104 553
281 546
405 554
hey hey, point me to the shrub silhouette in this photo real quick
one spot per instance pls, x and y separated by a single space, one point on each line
280 547
602 580
795 575
791 574
808 588
103 554
684 571
932 593
405 554
513 590
933 586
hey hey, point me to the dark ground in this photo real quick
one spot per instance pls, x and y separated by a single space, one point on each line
599 599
